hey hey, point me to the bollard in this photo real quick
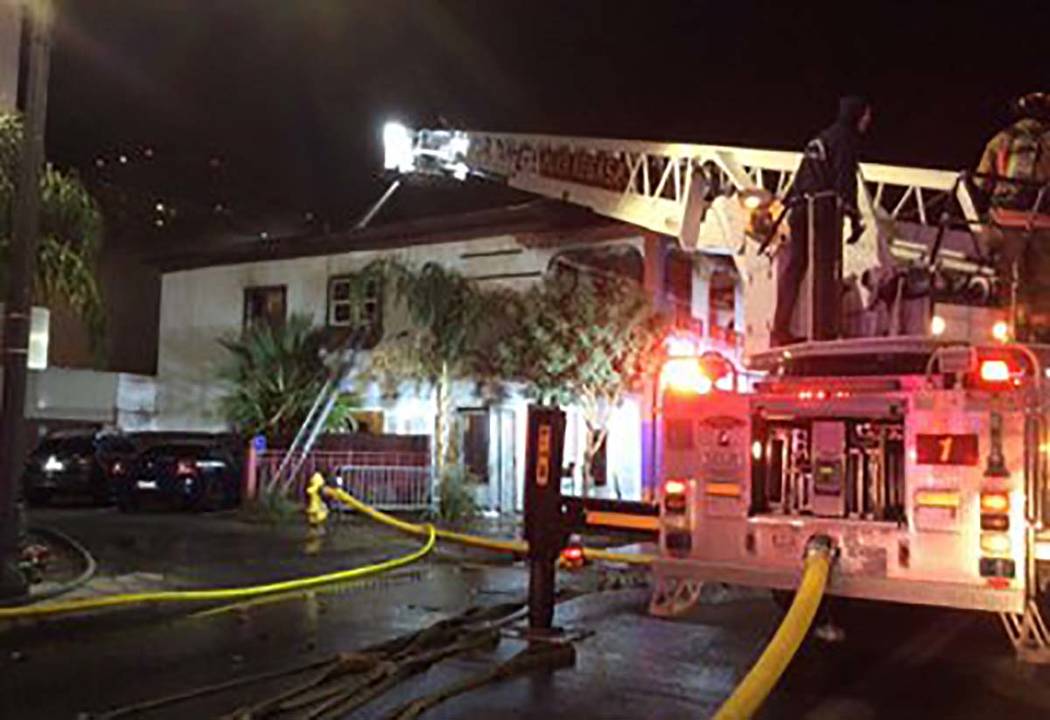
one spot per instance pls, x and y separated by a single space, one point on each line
545 527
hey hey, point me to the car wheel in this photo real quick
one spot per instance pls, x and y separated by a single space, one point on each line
213 497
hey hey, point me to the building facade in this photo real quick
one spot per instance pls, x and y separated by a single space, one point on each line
209 297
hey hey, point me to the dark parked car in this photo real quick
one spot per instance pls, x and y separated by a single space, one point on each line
77 463
187 474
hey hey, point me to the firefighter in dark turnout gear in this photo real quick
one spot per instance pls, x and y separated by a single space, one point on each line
1014 178
824 189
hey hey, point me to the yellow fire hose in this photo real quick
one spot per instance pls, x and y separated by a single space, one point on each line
759 682
177 596
515 547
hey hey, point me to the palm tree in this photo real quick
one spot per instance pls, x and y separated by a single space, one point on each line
274 375
70 232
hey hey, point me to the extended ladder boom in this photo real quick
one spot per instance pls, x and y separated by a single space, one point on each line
662 186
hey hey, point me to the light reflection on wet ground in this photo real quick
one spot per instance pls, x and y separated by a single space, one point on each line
897 662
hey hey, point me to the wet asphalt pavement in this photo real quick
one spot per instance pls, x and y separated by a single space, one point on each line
896 662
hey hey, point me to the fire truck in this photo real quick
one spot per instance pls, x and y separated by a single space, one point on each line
917 442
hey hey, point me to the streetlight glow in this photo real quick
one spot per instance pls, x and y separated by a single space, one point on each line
397 147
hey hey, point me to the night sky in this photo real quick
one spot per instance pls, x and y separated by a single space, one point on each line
272 108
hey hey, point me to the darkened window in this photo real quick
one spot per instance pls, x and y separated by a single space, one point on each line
616 261
678 279
599 465
265 305
678 287
355 302
722 301
474 435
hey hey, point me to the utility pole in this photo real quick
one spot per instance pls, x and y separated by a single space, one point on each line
25 226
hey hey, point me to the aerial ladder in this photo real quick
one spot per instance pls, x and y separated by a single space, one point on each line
713 197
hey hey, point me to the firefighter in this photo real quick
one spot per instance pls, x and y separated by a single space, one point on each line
1012 175
826 182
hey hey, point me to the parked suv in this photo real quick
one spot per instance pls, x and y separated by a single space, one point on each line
197 474
81 463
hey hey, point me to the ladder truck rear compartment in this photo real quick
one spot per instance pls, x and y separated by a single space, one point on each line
929 482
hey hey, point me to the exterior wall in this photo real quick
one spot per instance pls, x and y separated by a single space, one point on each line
89 396
200 307
64 397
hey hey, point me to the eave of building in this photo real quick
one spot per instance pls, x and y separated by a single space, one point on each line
541 223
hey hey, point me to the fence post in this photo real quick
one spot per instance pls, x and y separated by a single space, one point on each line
250 487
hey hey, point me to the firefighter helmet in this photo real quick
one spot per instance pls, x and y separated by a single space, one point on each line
1033 105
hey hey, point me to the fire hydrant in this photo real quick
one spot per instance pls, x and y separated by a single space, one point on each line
316 509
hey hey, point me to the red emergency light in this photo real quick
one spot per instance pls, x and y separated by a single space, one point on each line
995 371
697 375
998 372
685 375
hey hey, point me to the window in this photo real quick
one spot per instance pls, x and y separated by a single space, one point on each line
474 435
678 286
722 303
355 302
678 278
265 305
611 261
369 422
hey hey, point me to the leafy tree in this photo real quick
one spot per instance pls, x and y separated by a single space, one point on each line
445 312
586 341
70 233
274 376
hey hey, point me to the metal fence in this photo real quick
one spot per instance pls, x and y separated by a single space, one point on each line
388 488
388 480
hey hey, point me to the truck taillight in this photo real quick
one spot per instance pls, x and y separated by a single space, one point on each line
995 511
995 543
185 467
674 496
995 502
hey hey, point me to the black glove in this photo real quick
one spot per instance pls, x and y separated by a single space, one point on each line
856 230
